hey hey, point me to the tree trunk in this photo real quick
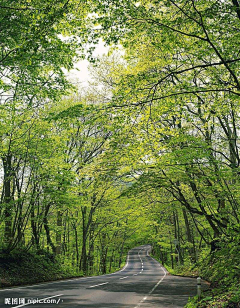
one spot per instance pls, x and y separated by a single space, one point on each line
7 199
59 233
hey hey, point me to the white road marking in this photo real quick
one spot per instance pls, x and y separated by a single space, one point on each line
100 284
140 260
38 300
153 289
74 279
46 283
122 268
124 277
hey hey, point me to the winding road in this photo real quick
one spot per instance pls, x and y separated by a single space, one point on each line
142 283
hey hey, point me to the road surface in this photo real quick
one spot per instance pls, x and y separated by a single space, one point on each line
142 283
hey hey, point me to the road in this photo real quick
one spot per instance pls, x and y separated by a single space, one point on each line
142 283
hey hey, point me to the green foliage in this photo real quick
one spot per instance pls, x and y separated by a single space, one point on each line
217 298
216 266
38 40
221 268
22 267
149 153
187 269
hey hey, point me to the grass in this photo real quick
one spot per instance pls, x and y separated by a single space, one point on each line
218 298
186 270
30 267
222 269
23 268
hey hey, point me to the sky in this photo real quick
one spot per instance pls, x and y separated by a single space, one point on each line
81 73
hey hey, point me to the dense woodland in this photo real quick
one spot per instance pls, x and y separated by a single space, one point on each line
148 153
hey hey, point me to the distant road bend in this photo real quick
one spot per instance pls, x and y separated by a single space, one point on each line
142 283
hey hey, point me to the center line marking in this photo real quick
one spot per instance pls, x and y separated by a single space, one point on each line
153 289
100 284
124 277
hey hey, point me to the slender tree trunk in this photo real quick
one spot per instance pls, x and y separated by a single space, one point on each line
34 229
59 233
189 234
47 230
83 261
8 199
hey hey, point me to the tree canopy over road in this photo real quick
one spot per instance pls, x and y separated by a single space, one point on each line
148 153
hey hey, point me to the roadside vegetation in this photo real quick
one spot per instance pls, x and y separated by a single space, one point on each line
28 267
220 271
147 153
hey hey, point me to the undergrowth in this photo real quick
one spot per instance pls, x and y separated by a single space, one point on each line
21 267
24 267
222 269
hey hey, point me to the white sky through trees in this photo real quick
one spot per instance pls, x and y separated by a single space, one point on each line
81 72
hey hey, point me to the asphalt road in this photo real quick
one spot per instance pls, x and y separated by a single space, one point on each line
142 283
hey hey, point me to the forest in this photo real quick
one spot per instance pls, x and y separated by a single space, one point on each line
147 153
